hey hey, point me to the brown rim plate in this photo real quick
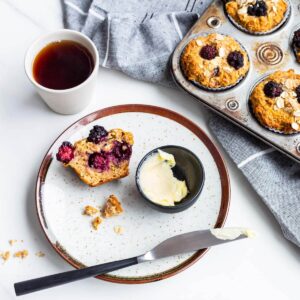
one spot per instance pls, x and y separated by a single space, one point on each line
111 112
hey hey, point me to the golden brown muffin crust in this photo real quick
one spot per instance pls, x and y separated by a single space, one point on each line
202 70
276 10
280 113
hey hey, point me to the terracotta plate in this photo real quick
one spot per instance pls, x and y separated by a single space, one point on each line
61 197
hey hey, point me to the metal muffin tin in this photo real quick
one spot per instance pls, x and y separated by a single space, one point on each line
267 53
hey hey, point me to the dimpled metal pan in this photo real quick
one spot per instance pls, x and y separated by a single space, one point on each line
268 53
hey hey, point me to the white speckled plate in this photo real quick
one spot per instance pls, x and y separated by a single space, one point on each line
61 197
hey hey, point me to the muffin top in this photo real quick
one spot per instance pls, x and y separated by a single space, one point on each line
276 101
214 61
257 16
296 44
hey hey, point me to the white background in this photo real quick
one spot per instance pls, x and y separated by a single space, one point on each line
266 267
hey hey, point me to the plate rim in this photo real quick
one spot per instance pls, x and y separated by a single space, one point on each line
150 109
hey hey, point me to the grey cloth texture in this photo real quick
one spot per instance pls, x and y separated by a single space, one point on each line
137 37
134 36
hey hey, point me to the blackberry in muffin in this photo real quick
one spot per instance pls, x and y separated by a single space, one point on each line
102 157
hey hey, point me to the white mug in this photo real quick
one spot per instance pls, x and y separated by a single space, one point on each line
72 100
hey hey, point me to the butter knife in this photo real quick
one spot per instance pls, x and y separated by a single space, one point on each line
183 243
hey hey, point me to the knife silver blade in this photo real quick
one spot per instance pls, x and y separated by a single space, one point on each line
193 241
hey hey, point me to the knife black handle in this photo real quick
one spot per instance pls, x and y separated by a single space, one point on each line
37 284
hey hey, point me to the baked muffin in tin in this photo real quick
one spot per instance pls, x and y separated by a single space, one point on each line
296 44
214 61
257 16
275 102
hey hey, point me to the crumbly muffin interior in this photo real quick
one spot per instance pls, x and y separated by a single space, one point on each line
99 159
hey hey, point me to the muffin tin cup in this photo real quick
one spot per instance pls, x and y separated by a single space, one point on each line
294 49
219 89
277 27
254 116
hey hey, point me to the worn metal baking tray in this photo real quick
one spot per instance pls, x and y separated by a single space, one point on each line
267 53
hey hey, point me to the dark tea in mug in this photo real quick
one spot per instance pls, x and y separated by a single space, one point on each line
62 65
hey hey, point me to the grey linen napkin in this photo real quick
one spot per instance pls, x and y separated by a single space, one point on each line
137 38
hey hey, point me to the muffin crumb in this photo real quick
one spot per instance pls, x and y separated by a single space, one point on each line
12 242
21 254
112 207
40 254
90 210
119 229
96 222
5 255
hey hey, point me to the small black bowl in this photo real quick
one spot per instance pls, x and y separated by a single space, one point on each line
188 167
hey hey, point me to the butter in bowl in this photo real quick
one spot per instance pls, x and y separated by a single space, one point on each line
170 178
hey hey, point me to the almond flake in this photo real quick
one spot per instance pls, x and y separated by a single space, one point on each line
199 42
280 103
227 69
295 126
243 10
290 83
222 52
284 95
206 73
219 37
297 113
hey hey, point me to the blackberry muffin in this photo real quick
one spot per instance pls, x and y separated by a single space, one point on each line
296 44
275 102
214 61
102 157
257 16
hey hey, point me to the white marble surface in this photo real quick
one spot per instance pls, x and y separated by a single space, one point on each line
266 267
